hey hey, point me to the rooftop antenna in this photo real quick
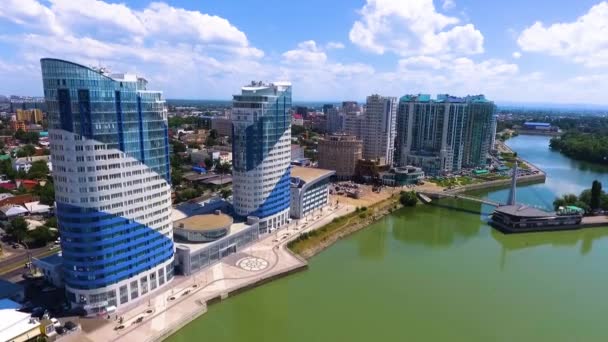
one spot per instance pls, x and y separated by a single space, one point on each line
512 194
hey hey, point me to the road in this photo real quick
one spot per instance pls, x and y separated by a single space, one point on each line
14 264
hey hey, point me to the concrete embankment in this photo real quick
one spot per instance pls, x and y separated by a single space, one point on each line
500 183
351 224
223 296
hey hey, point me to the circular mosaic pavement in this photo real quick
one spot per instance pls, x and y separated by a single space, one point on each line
252 264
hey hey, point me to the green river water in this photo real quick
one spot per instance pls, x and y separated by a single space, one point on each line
439 273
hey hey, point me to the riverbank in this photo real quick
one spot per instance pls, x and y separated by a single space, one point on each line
310 244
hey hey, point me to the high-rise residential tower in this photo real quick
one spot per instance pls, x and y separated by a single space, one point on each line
351 117
261 153
110 152
333 119
378 128
480 130
445 134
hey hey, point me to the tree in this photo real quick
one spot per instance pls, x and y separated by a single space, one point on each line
17 229
26 151
225 193
38 170
51 222
41 236
408 198
47 195
208 163
596 195
176 176
27 137
223 168
178 146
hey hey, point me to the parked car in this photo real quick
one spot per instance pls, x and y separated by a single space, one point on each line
69 325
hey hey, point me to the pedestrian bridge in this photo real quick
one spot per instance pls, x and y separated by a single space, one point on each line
425 196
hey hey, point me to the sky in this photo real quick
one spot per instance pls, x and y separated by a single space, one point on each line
549 51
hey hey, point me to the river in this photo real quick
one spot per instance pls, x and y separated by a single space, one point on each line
439 273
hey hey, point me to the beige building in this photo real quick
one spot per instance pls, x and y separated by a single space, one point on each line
340 152
32 116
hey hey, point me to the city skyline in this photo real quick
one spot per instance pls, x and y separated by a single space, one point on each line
511 52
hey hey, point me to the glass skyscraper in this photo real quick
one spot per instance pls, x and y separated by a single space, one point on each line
442 135
109 146
261 153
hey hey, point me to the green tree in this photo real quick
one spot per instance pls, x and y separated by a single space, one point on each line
596 195
408 198
51 222
41 236
178 146
26 151
176 176
223 168
17 229
209 163
6 168
225 193
38 170
47 195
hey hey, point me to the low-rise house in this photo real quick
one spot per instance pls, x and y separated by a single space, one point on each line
25 163
16 325
11 211
37 208
7 199
51 267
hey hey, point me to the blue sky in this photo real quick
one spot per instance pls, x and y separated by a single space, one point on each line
517 51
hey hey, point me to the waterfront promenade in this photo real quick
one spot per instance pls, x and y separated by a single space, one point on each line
165 312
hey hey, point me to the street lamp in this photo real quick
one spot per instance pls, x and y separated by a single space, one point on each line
29 256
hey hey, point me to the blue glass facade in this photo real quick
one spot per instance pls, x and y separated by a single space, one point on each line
123 115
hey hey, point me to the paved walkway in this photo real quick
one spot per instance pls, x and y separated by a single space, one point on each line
166 311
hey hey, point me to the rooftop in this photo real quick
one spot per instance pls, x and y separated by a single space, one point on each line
204 222
309 174
195 246
520 210
14 323
9 289
53 259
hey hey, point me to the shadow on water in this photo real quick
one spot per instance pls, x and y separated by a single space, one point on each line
452 206
585 237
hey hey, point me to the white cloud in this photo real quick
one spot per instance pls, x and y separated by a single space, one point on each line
516 55
311 71
307 52
420 62
412 27
181 51
583 41
448 4
334 45
30 13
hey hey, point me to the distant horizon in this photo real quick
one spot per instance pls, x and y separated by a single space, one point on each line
498 103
